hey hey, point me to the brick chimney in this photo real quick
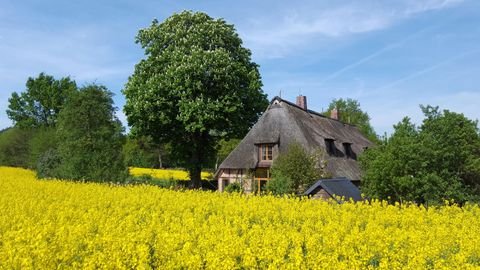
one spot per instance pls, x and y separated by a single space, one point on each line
335 114
302 102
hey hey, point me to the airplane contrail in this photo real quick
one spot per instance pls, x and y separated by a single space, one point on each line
377 53
426 70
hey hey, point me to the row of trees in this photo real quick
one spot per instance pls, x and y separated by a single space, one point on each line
437 161
56 122
64 131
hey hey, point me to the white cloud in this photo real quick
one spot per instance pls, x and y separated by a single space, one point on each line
274 36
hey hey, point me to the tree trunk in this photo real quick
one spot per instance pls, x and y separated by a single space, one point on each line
160 158
195 176
199 144
195 169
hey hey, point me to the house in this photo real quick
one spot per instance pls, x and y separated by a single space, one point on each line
339 189
281 124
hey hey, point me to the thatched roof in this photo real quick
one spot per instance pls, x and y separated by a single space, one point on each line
284 122
340 187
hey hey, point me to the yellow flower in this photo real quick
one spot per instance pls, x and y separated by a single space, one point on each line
49 224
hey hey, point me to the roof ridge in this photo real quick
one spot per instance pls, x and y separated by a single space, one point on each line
308 110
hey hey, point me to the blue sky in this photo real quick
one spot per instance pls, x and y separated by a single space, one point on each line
389 55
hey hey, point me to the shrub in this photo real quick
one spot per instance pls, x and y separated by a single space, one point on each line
43 140
48 164
280 184
294 171
14 147
233 187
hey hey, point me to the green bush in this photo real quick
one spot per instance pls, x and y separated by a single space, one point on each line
233 187
165 183
42 140
138 180
14 147
280 184
294 171
149 180
48 164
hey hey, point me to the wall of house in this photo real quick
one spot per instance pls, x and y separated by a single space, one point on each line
320 193
230 176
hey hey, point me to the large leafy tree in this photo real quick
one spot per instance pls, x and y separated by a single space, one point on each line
90 137
351 113
196 85
437 161
42 101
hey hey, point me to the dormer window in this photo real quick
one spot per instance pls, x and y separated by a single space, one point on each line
330 146
266 152
347 147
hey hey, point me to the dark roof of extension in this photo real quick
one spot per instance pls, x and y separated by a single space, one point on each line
284 122
340 187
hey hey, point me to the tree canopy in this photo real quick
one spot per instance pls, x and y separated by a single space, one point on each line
351 113
42 101
90 137
196 85
440 160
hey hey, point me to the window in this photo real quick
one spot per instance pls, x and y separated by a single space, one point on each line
226 182
330 146
266 152
348 150
262 175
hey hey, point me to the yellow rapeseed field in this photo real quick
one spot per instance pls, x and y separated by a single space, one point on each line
168 174
61 225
